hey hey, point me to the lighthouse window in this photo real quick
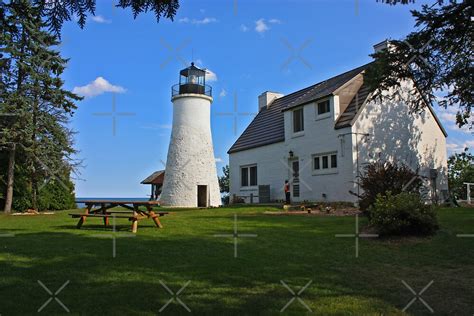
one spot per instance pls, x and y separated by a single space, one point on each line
248 176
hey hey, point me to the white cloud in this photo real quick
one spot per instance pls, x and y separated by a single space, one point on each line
157 126
244 28
260 26
457 146
448 119
223 93
210 75
219 160
206 20
97 87
100 19
274 21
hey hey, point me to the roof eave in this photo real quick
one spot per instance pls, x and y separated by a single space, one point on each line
233 151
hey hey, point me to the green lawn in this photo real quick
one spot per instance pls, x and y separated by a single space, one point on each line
294 249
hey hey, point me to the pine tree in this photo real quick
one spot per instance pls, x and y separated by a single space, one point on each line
34 93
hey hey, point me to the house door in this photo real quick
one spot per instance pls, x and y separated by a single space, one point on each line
202 195
295 178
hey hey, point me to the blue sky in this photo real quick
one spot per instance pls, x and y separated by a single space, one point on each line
248 46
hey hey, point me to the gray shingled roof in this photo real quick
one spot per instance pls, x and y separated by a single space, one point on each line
268 125
326 87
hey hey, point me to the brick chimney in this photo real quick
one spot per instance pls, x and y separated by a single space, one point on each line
266 99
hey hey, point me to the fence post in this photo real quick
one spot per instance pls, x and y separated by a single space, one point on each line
468 192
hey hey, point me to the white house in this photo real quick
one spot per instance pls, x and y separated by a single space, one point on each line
321 137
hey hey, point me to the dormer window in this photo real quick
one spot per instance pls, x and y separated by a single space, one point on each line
323 107
298 120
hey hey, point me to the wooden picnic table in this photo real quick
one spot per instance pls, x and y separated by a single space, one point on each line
102 209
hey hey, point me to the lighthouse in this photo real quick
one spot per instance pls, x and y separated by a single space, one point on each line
190 175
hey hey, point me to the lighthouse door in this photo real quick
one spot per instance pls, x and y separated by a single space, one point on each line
202 195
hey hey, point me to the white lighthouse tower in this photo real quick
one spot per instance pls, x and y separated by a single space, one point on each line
190 174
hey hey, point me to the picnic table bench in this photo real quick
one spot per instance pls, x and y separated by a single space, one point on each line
134 213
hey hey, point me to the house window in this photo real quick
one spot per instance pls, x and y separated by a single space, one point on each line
325 162
253 175
317 164
334 161
248 176
298 121
244 177
323 107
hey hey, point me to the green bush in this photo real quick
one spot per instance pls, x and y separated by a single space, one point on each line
403 214
382 177
53 196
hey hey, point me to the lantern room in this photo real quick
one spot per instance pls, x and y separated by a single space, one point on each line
192 80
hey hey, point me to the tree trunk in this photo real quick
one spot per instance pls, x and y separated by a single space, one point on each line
34 192
10 179
34 180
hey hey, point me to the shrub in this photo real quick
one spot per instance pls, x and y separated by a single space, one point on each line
403 214
225 199
381 177
460 170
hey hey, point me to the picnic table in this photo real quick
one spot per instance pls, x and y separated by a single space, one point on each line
103 209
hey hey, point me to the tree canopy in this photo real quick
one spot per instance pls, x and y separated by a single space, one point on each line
56 12
38 139
437 56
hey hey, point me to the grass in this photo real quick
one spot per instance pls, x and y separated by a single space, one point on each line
295 249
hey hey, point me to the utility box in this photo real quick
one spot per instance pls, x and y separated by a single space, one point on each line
264 194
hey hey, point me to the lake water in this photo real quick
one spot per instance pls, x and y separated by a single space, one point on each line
81 205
